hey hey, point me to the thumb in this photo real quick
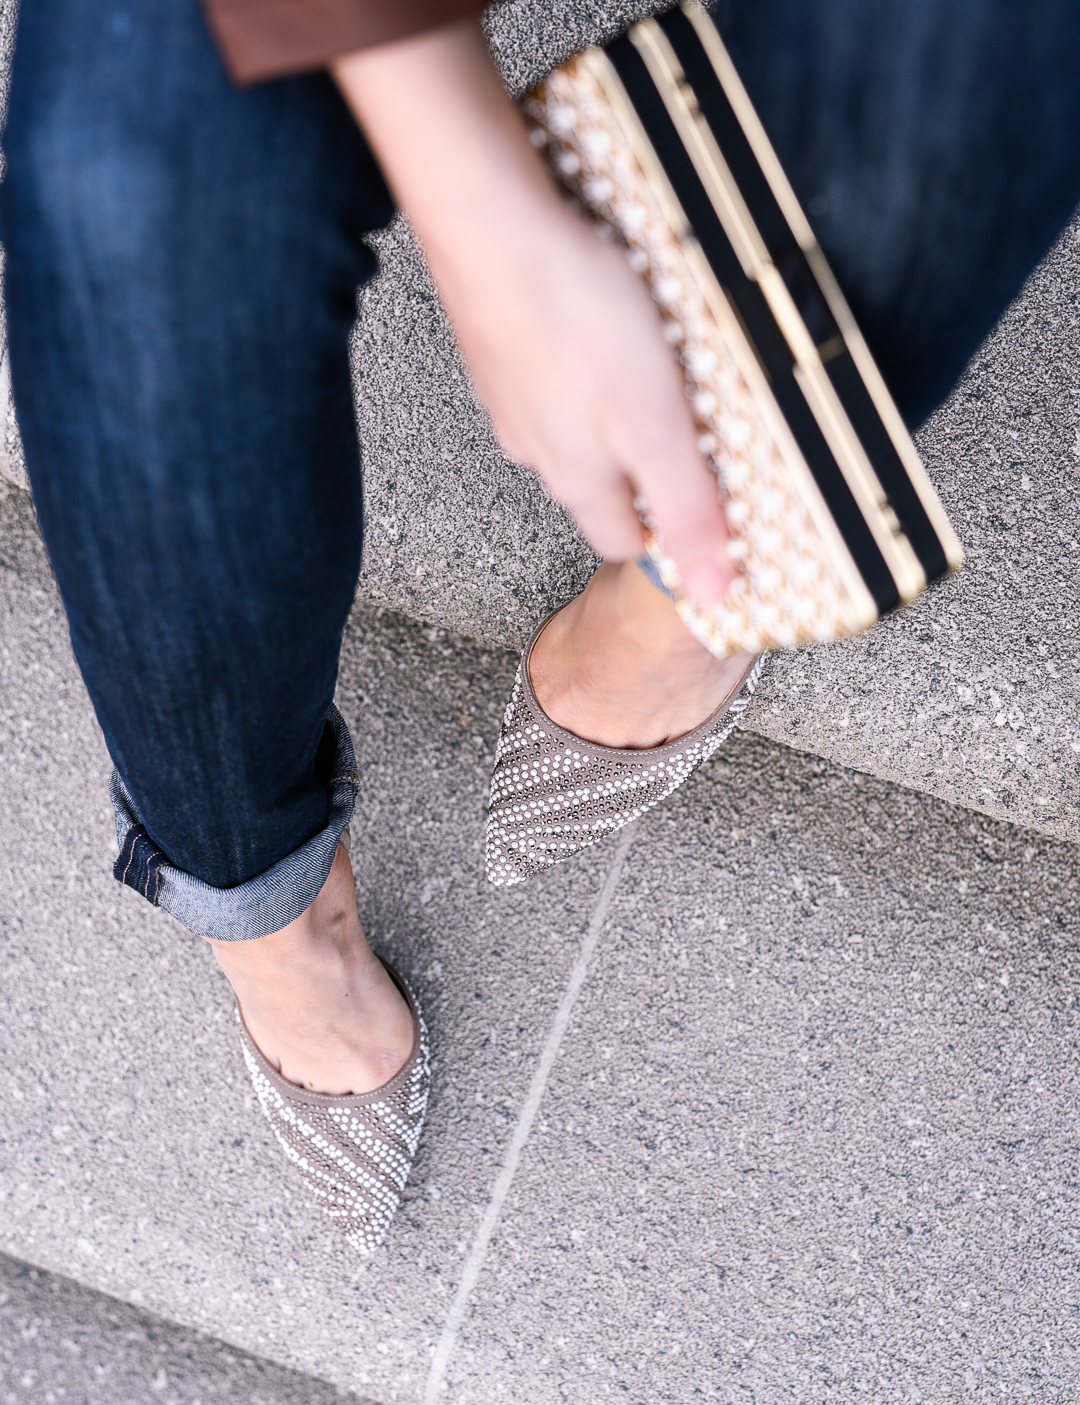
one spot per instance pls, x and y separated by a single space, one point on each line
683 505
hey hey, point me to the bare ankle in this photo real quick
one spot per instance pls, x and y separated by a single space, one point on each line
618 667
317 1001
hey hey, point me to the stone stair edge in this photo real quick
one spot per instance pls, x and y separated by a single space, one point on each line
967 695
820 675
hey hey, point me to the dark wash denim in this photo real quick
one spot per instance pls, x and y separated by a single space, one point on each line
182 266
182 276
936 147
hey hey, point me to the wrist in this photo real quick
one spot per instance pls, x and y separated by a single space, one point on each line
455 150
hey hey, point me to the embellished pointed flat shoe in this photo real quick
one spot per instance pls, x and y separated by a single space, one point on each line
354 1152
553 794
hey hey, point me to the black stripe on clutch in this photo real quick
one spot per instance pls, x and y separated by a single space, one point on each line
702 127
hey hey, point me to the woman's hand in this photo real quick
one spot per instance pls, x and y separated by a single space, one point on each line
563 343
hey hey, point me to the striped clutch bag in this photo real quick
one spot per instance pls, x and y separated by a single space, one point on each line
833 520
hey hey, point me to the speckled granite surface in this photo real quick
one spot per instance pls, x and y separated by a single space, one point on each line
811 1127
970 695
61 1342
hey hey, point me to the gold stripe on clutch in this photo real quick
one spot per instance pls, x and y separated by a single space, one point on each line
679 99
605 74
786 198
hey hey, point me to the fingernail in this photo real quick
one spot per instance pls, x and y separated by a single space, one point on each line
704 583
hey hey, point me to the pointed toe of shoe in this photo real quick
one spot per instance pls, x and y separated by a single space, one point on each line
353 1153
553 794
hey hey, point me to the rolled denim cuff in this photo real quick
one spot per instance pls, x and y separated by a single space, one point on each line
648 565
263 904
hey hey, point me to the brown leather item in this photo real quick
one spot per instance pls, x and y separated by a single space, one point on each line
260 39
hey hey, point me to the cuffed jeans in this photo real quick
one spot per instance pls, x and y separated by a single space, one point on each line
182 276
183 260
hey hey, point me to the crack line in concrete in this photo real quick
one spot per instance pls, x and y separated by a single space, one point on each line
531 1106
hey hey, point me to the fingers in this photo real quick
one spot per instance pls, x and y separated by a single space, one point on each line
652 455
602 503
609 521
670 473
580 471
593 399
687 513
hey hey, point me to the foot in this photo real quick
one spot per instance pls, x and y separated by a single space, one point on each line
316 999
617 667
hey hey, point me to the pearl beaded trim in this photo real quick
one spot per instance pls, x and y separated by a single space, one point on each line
353 1153
788 589
553 794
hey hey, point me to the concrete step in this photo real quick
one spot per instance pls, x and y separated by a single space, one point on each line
60 1341
970 695
807 1130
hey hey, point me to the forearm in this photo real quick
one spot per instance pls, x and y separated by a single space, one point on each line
562 340
455 152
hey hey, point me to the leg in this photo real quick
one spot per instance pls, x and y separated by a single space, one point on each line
317 1000
183 260
932 145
